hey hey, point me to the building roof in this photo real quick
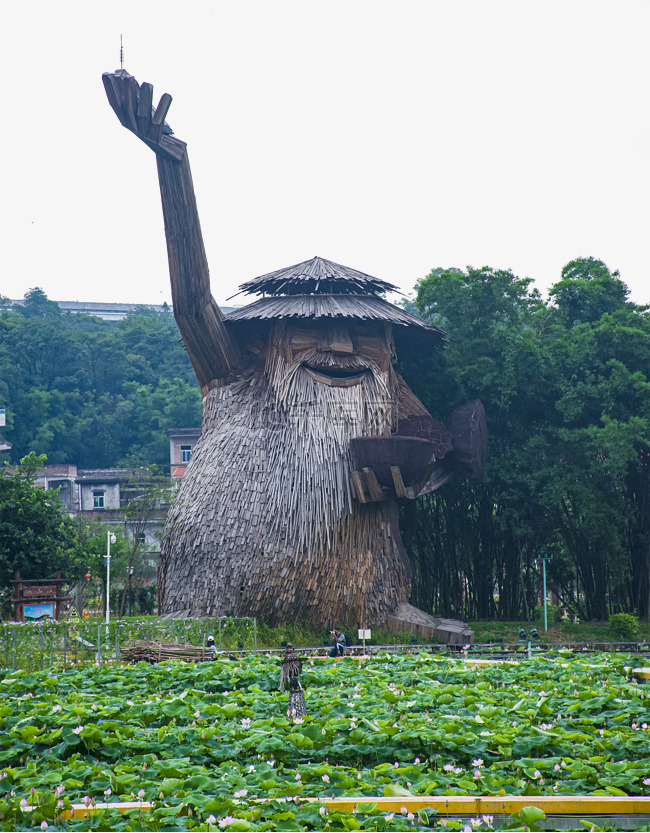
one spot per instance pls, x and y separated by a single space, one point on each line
104 475
184 432
316 276
109 310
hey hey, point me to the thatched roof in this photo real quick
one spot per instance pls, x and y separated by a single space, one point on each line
327 307
316 276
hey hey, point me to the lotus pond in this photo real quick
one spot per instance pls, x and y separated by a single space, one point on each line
203 742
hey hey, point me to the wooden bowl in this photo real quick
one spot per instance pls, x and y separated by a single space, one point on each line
413 455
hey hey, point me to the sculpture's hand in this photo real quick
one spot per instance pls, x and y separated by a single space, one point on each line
132 103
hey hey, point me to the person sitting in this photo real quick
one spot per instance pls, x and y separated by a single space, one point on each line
212 647
338 639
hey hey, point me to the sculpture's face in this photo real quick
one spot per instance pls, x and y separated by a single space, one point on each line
338 377
324 385
338 355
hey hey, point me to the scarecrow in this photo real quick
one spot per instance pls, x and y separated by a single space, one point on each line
290 671
288 507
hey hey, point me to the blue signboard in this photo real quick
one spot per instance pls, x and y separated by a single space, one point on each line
39 611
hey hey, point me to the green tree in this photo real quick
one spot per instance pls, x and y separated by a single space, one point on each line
92 392
597 486
36 304
566 391
88 556
149 492
36 537
481 538
587 291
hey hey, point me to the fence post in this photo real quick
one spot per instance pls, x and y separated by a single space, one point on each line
13 664
99 644
41 643
65 646
254 634
220 633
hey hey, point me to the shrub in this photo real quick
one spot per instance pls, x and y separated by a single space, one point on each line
624 625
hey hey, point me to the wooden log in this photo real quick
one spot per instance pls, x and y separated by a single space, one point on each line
130 91
143 116
373 485
400 489
355 477
158 119
114 97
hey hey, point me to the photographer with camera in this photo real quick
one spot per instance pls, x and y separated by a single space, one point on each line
338 639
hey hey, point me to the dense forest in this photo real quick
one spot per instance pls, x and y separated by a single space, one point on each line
566 387
91 392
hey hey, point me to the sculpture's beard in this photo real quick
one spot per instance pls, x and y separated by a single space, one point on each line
310 425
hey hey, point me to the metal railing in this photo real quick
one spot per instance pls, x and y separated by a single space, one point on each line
47 644
35 646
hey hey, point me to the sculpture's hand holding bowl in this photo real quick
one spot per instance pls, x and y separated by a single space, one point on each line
422 456
412 455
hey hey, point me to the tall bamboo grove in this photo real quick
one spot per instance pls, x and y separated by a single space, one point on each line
288 507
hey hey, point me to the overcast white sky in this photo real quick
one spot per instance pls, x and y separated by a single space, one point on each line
392 137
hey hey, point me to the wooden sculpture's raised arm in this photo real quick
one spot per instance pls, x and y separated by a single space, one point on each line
199 319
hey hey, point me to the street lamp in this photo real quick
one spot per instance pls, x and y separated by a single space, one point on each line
130 572
545 558
110 539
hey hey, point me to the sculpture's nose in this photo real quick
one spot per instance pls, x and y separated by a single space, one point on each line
337 340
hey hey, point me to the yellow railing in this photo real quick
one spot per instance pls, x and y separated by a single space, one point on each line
446 805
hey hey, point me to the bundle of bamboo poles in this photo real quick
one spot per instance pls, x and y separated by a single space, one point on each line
142 650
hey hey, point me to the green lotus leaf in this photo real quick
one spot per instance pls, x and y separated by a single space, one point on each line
395 790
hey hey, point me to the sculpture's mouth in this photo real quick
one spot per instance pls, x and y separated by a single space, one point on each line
342 377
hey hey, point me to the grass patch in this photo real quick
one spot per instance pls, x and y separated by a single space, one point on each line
558 632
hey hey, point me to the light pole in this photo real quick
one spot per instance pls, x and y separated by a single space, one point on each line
545 558
110 539
130 572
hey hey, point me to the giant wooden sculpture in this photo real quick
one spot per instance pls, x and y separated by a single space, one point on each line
288 507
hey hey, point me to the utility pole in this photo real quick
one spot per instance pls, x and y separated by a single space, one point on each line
110 539
545 558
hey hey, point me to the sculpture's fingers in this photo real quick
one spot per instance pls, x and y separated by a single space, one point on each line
144 109
398 481
130 93
158 120
114 96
